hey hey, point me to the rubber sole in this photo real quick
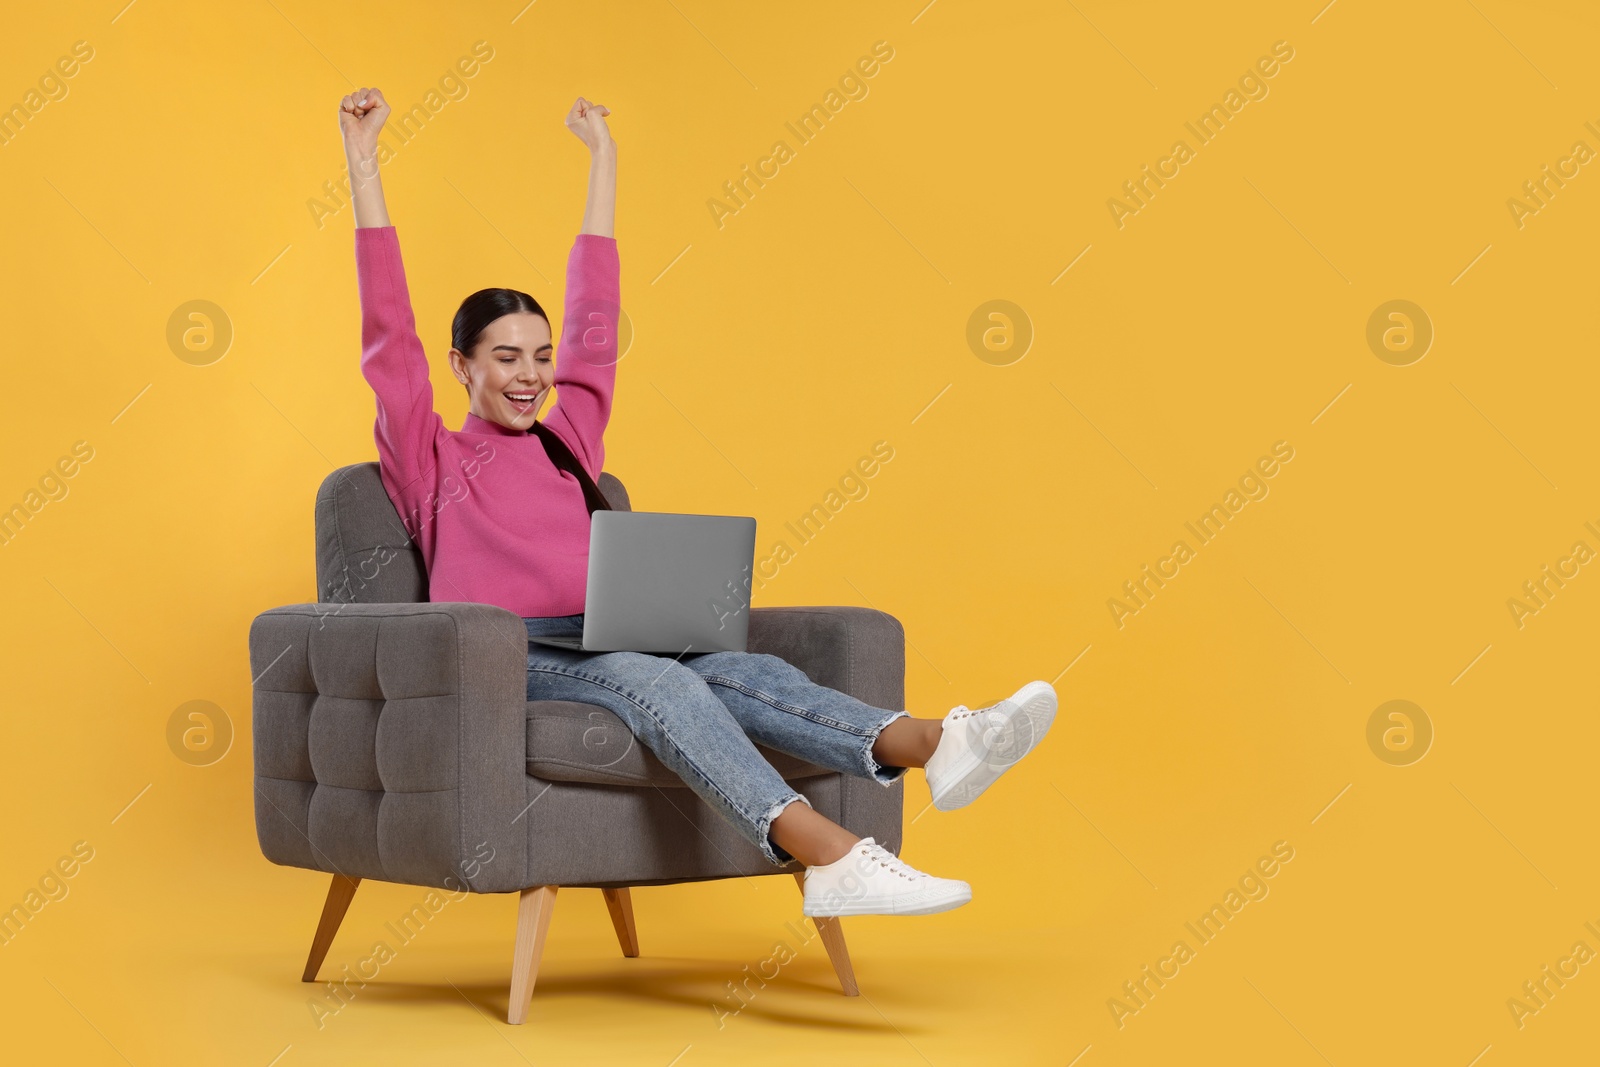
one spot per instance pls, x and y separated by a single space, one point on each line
865 909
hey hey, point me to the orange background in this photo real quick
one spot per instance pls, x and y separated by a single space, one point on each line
833 310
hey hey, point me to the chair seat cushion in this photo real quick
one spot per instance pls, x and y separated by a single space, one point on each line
571 742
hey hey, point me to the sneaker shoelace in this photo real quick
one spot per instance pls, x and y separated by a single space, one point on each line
961 711
889 861
981 724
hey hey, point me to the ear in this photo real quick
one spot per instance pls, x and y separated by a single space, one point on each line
458 366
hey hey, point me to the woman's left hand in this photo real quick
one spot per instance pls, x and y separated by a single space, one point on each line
587 123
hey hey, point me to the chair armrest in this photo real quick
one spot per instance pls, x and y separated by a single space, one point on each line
859 651
389 741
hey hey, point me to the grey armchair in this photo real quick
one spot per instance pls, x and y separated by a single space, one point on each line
393 740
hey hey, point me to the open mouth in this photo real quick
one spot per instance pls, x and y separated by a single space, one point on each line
521 400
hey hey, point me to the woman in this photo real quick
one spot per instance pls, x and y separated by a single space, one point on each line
497 522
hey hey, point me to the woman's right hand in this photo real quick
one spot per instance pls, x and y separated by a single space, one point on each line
587 123
361 116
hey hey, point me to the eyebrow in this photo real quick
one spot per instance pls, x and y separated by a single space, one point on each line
518 351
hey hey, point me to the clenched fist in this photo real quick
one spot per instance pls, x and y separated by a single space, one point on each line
361 116
587 123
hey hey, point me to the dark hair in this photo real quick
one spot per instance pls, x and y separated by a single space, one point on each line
483 307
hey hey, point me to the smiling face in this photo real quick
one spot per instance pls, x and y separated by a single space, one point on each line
510 372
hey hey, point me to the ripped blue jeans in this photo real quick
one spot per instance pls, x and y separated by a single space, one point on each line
699 713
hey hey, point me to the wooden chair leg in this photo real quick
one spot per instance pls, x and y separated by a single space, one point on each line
620 903
533 920
333 909
833 941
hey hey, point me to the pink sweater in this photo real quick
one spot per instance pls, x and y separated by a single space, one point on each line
495 520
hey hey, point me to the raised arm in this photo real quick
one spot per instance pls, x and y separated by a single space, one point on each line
588 124
586 360
361 116
392 357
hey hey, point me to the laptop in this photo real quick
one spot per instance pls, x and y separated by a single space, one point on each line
665 582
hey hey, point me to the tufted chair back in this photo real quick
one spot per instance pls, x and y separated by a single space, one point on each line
364 555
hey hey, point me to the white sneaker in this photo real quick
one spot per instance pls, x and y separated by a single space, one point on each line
979 745
871 880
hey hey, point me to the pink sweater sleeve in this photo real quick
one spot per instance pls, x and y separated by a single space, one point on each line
586 359
393 361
